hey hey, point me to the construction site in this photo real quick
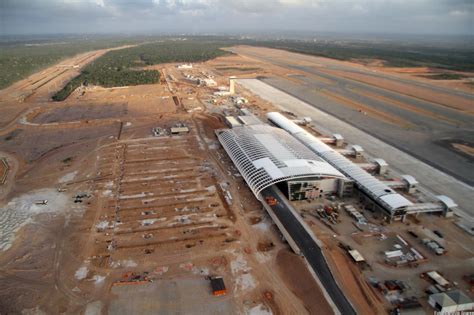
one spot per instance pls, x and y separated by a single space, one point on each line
218 191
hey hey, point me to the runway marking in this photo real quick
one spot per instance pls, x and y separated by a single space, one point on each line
381 115
405 106
441 99
322 79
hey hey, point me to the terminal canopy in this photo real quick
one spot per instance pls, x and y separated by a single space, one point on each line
266 155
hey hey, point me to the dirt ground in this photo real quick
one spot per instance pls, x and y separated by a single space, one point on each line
124 205
295 272
423 74
136 222
372 245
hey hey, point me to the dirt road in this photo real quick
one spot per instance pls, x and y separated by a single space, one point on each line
37 89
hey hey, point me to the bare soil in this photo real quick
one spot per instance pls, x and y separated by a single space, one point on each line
295 272
85 112
464 148
151 206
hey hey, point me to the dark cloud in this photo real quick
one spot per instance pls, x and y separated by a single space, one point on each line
393 16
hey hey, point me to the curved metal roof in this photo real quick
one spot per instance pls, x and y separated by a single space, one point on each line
266 155
377 190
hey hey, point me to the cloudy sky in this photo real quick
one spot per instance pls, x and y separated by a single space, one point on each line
152 16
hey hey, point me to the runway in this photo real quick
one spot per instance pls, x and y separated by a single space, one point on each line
420 127
429 177
420 136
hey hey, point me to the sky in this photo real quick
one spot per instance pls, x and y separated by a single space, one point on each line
441 17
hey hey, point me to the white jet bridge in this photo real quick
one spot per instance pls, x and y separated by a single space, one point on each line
393 203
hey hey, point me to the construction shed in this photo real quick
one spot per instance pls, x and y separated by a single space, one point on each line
356 255
452 302
437 278
179 130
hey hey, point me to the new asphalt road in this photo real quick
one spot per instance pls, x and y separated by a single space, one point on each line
310 250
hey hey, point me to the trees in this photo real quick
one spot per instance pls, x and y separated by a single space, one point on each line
22 57
125 67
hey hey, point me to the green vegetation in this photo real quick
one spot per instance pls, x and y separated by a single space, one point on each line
445 76
125 67
193 50
394 54
20 59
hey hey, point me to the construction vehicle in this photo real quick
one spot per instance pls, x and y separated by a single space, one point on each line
218 286
328 210
133 278
270 201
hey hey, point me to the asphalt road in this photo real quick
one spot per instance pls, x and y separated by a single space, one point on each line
310 250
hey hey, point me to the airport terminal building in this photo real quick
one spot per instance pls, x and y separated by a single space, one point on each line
266 156
375 194
303 167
